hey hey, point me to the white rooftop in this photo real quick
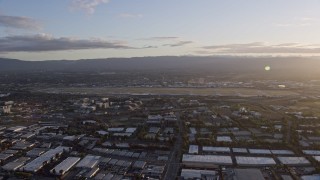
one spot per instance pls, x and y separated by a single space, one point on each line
214 159
282 152
131 130
249 161
215 149
239 150
37 163
259 151
193 173
311 152
193 149
17 128
65 165
294 160
224 139
317 158
89 161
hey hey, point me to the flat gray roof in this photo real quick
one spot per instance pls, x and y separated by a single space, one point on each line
193 149
37 163
311 152
259 151
89 161
293 160
194 173
239 150
248 174
282 152
317 158
215 149
249 161
215 159
65 165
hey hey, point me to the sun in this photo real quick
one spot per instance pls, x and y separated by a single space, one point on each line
267 68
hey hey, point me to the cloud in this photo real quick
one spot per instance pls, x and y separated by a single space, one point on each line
298 22
263 48
128 15
163 38
19 22
149 47
180 43
45 42
88 6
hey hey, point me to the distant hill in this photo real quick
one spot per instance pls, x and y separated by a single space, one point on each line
297 66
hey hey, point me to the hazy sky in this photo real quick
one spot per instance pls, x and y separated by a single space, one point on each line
80 29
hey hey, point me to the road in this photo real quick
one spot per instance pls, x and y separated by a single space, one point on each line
173 165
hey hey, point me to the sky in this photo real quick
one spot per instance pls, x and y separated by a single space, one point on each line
86 29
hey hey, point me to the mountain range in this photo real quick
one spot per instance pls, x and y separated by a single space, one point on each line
297 66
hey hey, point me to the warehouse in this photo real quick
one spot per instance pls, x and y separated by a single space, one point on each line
239 150
89 161
139 164
153 171
193 149
39 162
216 149
246 174
35 152
224 139
14 165
198 174
254 161
294 161
205 161
317 158
259 151
311 152
65 165
282 152
4 157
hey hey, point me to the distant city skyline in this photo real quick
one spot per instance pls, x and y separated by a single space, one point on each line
85 29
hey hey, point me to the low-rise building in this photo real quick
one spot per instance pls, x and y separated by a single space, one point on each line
198 174
89 161
255 161
65 165
205 161
293 161
45 158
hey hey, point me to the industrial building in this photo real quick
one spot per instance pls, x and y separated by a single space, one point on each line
296 161
216 149
244 174
317 158
239 150
193 149
224 139
89 161
65 165
198 174
259 151
205 161
311 152
16 164
39 162
282 152
255 161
